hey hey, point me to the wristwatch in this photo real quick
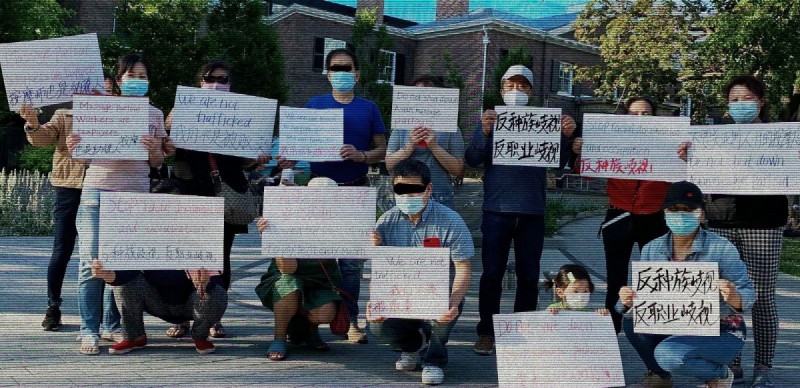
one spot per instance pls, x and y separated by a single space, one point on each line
30 128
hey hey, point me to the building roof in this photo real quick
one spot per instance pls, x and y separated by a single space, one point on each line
344 10
488 14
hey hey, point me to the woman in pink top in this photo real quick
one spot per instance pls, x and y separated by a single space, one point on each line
111 175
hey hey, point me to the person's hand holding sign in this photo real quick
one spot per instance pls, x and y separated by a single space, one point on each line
487 121
200 278
349 152
30 115
626 295
568 126
729 293
72 142
100 273
449 316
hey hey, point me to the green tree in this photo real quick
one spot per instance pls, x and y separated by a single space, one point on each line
239 35
516 56
368 41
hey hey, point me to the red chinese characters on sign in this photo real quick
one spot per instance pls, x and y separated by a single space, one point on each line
622 167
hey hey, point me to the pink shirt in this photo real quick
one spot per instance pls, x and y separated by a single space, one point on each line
125 175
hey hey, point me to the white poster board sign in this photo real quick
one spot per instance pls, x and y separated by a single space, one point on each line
143 231
318 222
110 127
222 122
676 298
411 283
746 158
50 71
527 136
314 135
633 147
435 108
542 350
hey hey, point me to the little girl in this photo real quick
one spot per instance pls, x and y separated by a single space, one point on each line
574 288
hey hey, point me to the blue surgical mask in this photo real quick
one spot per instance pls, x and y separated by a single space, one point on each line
683 223
410 205
343 81
134 87
743 112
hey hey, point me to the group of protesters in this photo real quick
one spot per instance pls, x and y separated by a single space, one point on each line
744 235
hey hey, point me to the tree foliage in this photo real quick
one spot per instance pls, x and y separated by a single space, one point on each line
368 39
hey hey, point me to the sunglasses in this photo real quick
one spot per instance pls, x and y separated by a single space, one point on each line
215 79
347 68
404 188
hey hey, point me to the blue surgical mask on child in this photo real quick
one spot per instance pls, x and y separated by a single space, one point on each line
410 205
343 81
136 87
577 300
743 112
683 223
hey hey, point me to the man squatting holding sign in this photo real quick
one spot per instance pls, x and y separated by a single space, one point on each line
703 358
418 220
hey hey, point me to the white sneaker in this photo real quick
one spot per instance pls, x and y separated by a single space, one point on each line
408 361
432 375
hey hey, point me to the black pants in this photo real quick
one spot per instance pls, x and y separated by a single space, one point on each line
643 229
64 234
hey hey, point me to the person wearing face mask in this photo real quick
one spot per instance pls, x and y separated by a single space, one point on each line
634 216
364 143
754 224
513 209
418 220
573 286
192 174
703 358
111 175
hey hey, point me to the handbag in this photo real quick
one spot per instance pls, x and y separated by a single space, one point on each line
240 208
341 322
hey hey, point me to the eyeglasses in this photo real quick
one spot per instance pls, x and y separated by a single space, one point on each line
404 188
346 68
215 79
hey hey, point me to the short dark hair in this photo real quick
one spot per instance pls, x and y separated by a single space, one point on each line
127 62
114 86
209 68
428 79
754 85
338 51
561 280
649 101
411 168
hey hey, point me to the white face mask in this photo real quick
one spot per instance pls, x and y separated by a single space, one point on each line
577 300
515 98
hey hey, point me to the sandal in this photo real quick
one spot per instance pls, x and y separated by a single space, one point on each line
277 350
315 342
89 345
217 331
178 330
115 336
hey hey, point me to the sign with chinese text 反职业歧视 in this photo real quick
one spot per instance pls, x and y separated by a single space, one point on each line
527 136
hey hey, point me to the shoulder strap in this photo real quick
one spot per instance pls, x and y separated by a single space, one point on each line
215 178
337 290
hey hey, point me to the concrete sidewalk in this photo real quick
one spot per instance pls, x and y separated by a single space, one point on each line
31 356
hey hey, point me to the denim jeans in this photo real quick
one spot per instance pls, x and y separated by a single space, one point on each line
404 336
350 270
499 229
98 310
65 210
703 358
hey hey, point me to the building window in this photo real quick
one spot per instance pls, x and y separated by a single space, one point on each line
322 46
388 64
565 75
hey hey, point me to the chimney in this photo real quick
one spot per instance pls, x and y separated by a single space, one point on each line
451 8
376 5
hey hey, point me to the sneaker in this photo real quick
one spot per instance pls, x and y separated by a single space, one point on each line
484 346
725 382
356 335
432 375
652 380
203 346
126 346
408 361
52 319
762 377
738 372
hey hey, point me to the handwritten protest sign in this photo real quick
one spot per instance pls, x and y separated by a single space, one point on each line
314 135
318 222
746 158
539 349
143 231
222 122
49 72
525 136
676 298
110 127
435 108
411 283
633 147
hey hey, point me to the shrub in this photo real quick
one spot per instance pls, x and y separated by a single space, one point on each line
26 200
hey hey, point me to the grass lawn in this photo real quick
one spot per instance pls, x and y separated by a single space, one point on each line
790 260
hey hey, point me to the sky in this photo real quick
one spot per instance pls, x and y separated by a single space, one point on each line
422 11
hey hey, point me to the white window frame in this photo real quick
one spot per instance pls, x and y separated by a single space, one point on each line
570 76
330 45
392 68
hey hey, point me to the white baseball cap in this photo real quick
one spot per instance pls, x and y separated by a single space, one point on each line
322 181
518 70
